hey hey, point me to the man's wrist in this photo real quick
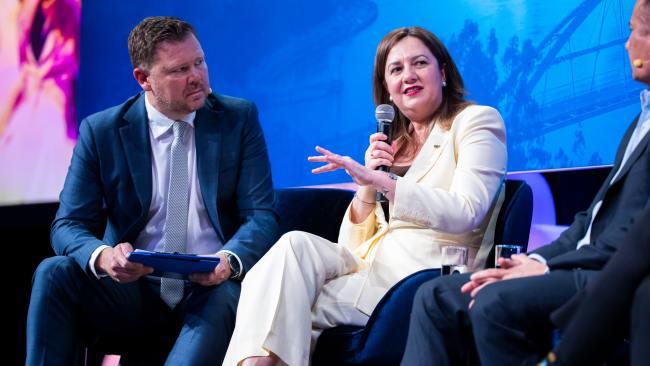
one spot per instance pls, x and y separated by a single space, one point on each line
538 258
234 263
94 264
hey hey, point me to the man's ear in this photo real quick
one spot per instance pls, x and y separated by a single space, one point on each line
142 77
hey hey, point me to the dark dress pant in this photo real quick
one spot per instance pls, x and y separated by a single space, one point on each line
439 329
640 325
612 306
70 309
508 324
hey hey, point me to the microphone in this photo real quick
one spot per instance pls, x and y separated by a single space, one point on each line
384 114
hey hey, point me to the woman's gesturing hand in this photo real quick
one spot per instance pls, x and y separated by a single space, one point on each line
362 175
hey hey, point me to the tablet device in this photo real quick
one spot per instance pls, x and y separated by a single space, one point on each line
174 265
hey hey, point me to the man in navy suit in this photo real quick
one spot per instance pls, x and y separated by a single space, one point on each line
175 168
614 305
503 313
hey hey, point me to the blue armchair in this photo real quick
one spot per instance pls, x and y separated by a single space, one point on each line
383 339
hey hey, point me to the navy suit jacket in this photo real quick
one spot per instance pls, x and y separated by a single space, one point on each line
109 183
622 199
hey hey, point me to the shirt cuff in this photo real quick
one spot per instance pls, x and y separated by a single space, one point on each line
93 259
241 268
540 259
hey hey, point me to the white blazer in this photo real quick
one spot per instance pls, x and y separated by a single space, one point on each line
446 198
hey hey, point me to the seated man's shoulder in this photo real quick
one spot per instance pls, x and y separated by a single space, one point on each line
110 117
227 103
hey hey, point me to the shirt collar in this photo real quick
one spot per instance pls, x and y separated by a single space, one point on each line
645 101
159 123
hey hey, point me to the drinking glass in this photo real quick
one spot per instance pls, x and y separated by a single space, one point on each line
453 259
505 251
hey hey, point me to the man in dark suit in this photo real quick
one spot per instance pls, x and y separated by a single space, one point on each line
505 312
614 304
174 169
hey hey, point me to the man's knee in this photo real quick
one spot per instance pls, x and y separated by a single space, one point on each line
424 298
441 297
218 301
228 292
490 304
424 292
54 269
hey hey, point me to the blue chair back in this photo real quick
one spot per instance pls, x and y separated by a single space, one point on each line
315 210
513 222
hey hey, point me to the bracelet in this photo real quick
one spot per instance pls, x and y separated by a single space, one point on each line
362 201
392 176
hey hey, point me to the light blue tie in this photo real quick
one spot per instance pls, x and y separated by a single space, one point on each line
175 231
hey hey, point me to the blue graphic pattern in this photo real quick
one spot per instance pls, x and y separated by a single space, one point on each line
556 69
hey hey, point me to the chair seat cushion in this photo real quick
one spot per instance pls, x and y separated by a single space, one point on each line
382 340
347 339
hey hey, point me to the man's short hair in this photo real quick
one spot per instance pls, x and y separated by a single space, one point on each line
145 38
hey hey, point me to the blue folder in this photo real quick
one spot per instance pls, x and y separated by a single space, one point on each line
174 265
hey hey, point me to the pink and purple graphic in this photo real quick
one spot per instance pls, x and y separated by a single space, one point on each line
39 64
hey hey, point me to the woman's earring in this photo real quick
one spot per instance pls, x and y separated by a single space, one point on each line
390 97
444 83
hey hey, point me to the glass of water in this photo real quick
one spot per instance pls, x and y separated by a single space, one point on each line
453 259
505 251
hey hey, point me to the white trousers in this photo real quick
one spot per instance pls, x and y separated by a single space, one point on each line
303 285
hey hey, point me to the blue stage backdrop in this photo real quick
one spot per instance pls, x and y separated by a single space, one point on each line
556 69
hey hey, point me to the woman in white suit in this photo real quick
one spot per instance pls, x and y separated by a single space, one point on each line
447 163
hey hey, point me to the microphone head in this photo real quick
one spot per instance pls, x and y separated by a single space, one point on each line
638 63
385 113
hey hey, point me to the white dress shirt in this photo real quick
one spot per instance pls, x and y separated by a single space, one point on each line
201 236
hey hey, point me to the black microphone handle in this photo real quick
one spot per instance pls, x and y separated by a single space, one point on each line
379 197
385 128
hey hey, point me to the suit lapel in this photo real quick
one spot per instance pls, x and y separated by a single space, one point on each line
208 157
433 147
600 196
636 153
137 149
